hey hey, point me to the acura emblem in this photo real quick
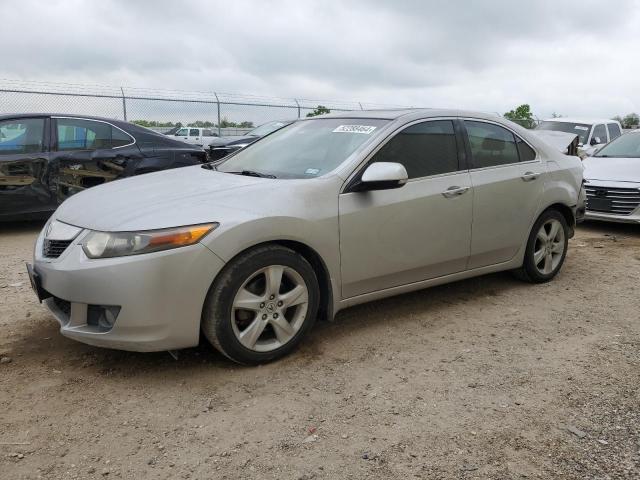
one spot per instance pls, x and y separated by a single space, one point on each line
601 192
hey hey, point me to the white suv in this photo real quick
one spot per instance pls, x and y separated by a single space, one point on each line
592 133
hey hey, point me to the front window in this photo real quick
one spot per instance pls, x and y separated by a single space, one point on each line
580 129
625 146
305 149
183 132
599 135
424 149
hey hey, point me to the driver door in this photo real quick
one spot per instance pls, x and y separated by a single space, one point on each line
420 231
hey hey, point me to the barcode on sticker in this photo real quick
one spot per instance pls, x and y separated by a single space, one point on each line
366 129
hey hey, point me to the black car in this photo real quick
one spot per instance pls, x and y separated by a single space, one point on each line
225 145
45 158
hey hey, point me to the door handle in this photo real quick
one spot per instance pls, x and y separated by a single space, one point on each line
455 191
529 176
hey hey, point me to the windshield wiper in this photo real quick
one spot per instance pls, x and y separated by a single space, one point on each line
252 173
210 166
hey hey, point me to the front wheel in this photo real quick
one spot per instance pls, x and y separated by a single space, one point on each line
261 305
546 248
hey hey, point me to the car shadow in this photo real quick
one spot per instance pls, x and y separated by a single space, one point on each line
610 228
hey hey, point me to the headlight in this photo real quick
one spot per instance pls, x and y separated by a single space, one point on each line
118 244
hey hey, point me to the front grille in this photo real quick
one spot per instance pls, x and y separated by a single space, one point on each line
619 201
54 248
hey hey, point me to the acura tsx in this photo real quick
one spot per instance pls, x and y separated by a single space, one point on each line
322 214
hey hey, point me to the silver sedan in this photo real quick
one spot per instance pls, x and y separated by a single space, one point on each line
612 181
323 214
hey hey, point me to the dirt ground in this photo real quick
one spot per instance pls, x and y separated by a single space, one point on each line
488 378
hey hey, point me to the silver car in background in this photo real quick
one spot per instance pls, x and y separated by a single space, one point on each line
612 181
323 214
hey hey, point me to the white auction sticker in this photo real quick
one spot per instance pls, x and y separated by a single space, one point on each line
366 129
580 127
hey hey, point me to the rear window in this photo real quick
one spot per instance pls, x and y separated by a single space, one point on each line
614 131
21 136
78 134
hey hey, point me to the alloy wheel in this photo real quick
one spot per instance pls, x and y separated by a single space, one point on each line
269 308
549 246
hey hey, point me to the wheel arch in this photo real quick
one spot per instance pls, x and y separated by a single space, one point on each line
325 309
567 212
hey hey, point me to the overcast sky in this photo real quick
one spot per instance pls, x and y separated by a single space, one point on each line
573 57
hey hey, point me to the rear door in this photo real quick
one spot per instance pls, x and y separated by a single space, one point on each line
87 153
24 167
508 180
194 136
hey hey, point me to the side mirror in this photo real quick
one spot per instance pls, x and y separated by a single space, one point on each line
595 141
383 176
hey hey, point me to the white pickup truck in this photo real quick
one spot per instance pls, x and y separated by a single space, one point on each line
196 136
593 133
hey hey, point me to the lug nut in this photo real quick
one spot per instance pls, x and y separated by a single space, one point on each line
264 317
280 303
275 315
262 305
272 297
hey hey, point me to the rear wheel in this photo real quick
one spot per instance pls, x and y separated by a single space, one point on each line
261 305
546 248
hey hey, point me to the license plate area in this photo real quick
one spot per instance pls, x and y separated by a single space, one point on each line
599 204
36 284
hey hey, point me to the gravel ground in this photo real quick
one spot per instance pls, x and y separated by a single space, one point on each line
487 378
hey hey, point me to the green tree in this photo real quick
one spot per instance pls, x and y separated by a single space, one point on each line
226 123
155 123
320 110
631 120
521 115
201 124
246 125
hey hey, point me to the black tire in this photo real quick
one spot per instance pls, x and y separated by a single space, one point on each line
217 321
529 272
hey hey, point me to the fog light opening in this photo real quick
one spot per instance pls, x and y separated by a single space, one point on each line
102 317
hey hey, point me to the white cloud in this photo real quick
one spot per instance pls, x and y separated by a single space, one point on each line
573 57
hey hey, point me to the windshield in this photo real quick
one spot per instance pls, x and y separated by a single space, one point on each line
304 149
626 146
580 129
266 129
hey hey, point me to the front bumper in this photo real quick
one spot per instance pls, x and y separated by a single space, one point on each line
157 297
610 217
624 198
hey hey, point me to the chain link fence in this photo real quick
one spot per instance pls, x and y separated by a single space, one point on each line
230 114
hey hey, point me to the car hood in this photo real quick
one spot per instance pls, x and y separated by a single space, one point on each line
558 140
184 196
612 169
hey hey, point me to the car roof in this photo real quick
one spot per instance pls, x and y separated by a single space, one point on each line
12 116
409 113
580 120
